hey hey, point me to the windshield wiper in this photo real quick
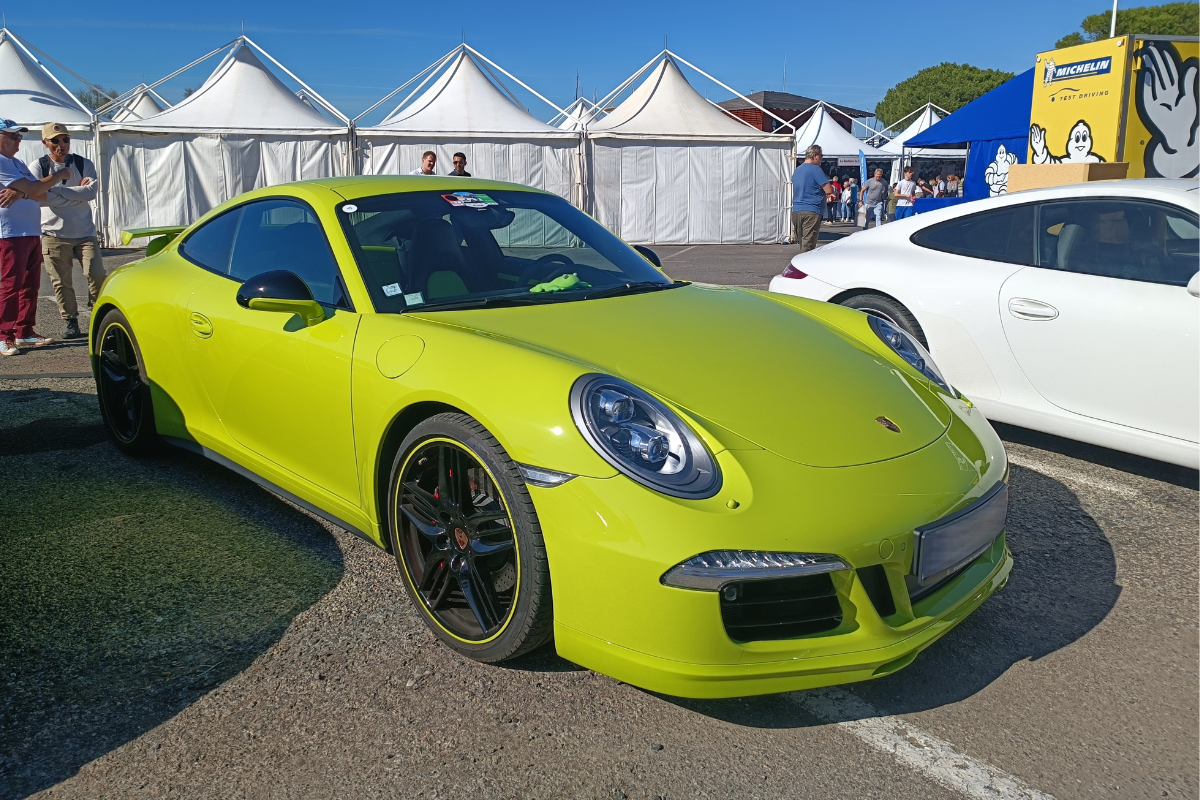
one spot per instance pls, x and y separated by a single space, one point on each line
634 287
478 302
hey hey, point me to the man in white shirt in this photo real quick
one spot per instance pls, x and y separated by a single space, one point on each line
906 190
428 162
20 244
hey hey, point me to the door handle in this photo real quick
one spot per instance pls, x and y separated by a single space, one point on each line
1036 310
201 325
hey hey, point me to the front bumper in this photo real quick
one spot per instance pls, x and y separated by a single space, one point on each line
610 541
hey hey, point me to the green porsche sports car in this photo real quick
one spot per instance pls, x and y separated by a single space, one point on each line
698 490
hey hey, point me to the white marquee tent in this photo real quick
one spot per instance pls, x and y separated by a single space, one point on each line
141 103
669 167
923 118
31 96
469 111
576 116
835 141
242 129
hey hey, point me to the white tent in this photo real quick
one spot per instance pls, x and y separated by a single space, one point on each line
31 96
924 117
465 110
141 103
835 141
669 167
242 129
576 116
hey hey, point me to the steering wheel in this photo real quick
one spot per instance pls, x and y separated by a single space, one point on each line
533 269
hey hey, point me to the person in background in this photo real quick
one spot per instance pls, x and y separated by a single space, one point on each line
951 185
834 199
68 228
20 244
874 198
428 162
460 166
844 200
810 192
939 185
906 192
852 200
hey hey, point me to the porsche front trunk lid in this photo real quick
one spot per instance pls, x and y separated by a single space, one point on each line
786 381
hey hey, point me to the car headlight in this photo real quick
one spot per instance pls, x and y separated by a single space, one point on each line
643 438
911 351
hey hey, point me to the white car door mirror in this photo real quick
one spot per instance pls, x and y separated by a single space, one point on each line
1194 285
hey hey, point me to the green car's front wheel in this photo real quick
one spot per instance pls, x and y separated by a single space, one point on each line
122 386
467 540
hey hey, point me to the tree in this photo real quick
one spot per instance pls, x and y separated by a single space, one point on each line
93 99
1171 19
188 92
950 86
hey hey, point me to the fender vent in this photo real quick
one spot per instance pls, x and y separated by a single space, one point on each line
781 608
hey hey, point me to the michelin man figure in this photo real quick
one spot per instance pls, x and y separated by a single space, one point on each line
996 175
1079 146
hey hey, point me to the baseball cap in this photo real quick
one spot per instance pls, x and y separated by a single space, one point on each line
52 129
8 126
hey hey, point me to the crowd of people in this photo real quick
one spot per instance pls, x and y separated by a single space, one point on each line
45 220
818 197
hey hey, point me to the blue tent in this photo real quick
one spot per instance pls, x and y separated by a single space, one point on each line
998 119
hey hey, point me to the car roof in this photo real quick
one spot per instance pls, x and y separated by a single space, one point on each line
353 186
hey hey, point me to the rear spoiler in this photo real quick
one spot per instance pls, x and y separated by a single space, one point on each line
164 233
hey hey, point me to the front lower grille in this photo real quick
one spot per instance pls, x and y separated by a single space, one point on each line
755 611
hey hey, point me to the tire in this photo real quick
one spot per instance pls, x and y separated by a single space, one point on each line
878 305
469 547
122 387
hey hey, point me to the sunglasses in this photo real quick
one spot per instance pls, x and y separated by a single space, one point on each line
60 140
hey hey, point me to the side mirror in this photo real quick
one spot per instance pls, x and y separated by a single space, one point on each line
1194 285
649 255
281 291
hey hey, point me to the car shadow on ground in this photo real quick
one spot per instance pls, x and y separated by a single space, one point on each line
1062 586
129 587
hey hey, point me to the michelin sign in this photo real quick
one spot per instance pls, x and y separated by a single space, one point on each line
1130 98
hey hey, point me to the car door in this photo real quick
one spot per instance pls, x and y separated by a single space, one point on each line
279 388
964 262
1104 326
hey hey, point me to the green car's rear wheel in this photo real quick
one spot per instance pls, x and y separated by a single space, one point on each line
122 386
467 540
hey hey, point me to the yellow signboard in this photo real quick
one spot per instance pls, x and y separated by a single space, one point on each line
1161 136
1078 94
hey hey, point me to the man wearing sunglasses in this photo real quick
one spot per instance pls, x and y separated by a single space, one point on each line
20 244
68 227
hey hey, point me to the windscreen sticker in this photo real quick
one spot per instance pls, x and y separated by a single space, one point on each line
414 299
349 208
392 289
469 200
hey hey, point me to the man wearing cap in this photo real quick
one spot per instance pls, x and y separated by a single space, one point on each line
68 228
20 244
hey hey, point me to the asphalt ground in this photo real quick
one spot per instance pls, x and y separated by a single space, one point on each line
168 629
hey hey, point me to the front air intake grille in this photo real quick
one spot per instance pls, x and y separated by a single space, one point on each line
875 582
756 611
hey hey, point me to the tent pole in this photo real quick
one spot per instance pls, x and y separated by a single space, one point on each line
628 81
520 83
432 71
22 44
403 86
735 91
200 60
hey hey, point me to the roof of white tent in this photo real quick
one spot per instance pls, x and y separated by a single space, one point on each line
575 115
925 118
29 94
834 140
464 102
665 106
142 105
241 96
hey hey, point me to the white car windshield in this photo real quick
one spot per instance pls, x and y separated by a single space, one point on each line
437 250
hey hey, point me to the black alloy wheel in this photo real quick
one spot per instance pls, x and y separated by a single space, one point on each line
122 386
467 541
887 309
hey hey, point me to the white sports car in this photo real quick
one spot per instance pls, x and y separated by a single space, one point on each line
1071 310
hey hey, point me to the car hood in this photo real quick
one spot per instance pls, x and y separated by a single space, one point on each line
765 371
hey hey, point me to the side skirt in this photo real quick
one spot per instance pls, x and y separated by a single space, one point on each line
216 457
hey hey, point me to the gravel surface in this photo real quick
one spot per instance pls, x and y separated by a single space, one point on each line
171 630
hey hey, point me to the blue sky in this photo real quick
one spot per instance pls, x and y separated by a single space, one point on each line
845 52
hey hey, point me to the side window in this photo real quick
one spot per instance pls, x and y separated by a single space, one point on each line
1005 234
286 234
210 244
1135 240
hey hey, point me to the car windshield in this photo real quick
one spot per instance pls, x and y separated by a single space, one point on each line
431 250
